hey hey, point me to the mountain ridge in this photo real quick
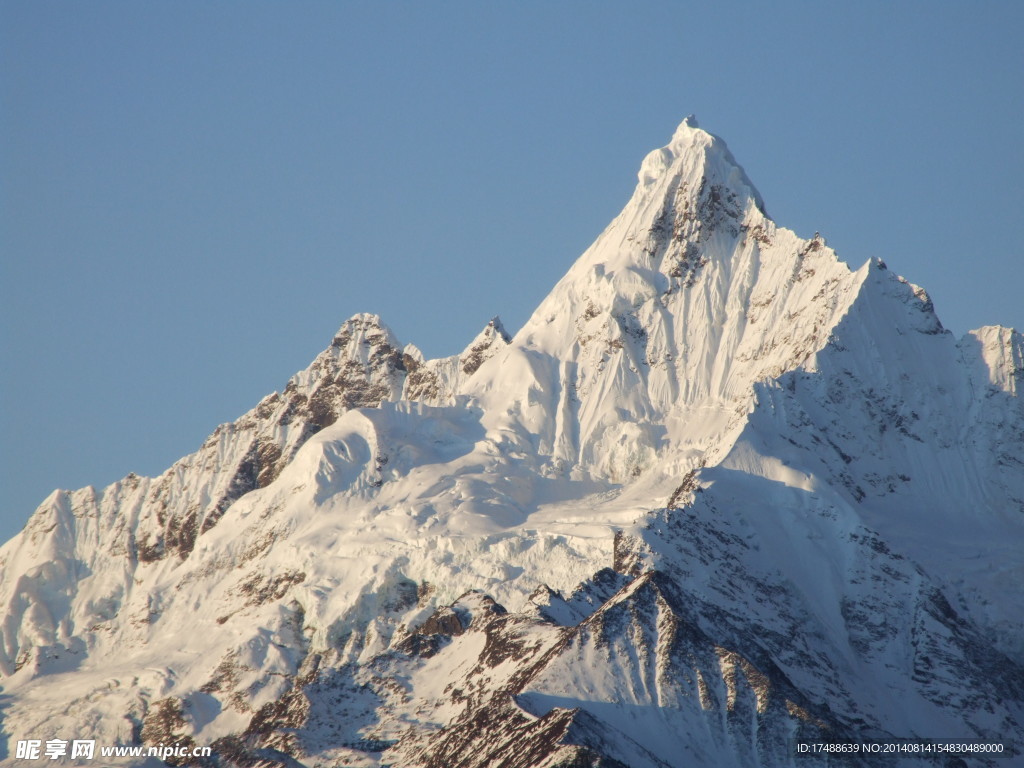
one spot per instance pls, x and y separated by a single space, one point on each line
709 420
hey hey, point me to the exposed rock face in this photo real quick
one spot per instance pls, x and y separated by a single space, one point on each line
484 347
719 494
146 520
437 382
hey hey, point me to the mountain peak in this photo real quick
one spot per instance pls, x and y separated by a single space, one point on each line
693 205
718 482
360 325
491 339
694 154
686 131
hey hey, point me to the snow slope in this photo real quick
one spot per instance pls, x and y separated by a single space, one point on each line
720 492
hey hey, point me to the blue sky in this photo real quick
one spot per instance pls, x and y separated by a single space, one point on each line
193 196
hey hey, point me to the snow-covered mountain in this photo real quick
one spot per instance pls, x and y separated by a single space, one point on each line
720 493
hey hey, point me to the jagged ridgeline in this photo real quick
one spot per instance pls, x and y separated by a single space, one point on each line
719 494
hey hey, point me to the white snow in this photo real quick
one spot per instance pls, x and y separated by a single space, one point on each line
821 409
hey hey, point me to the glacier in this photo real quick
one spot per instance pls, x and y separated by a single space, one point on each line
720 493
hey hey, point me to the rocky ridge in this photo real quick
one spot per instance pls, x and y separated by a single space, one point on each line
719 493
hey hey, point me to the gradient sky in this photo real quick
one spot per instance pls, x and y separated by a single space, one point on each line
194 195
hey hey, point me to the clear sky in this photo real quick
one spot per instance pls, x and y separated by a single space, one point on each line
195 195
